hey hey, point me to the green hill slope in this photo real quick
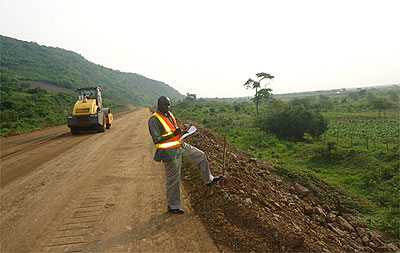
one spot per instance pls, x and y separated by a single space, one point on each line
24 65
28 60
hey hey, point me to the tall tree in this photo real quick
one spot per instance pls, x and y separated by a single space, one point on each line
381 104
262 94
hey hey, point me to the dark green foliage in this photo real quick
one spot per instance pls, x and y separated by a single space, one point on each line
292 121
23 108
381 105
29 61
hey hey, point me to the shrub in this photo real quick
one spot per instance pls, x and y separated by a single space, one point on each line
292 122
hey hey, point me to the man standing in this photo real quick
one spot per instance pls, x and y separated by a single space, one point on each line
165 133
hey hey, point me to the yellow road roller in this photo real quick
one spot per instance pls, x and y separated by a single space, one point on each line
88 112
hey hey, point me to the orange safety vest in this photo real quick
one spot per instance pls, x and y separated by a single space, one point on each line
169 129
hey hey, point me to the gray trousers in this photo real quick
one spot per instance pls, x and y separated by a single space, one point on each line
173 172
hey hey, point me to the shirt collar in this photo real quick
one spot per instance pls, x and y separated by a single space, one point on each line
165 114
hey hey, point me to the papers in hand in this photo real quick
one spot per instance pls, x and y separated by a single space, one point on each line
191 130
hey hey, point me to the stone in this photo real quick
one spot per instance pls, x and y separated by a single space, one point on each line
336 230
356 223
319 211
326 208
297 227
319 218
301 190
252 148
365 240
248 201
308 209
392 247
374 235
377 241
342 221
226 196
253 159
277 205
353 245
360 231
353 220
331 217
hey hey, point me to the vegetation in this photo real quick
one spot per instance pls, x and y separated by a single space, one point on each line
366 179
29 61
292 122
25 108
263 94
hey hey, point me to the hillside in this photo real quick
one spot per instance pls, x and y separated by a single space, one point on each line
29 61
38 86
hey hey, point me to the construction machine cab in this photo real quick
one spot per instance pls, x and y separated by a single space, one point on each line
91 93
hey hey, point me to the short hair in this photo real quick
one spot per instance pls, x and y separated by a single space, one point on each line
163 100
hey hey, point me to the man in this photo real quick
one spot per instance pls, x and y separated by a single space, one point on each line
165 133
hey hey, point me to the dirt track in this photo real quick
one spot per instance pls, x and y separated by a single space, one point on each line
92 192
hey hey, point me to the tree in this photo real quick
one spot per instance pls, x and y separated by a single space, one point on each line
354 96
262 94
370 97
326 105
323 97
190 97
381 104
394 96
363 92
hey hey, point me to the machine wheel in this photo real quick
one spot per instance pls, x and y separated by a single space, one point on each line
75 130
103 127
108 126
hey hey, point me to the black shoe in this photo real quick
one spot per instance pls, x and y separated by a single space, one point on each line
216 179
176 211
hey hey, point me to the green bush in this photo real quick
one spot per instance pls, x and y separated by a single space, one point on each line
291 122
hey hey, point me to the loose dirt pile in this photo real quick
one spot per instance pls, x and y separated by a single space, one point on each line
254 209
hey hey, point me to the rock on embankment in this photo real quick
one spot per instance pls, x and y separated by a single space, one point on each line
254 209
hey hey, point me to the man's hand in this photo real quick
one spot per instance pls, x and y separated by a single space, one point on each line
178 131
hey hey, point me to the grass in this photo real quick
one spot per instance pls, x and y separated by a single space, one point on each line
367 181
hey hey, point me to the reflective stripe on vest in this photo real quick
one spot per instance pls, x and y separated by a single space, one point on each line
173 142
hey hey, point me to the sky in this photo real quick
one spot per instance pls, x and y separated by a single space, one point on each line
211 48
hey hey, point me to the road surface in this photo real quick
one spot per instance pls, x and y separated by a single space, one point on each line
91 192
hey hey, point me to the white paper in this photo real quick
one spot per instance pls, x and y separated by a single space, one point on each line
191 130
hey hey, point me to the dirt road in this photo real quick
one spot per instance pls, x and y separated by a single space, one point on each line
91 192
